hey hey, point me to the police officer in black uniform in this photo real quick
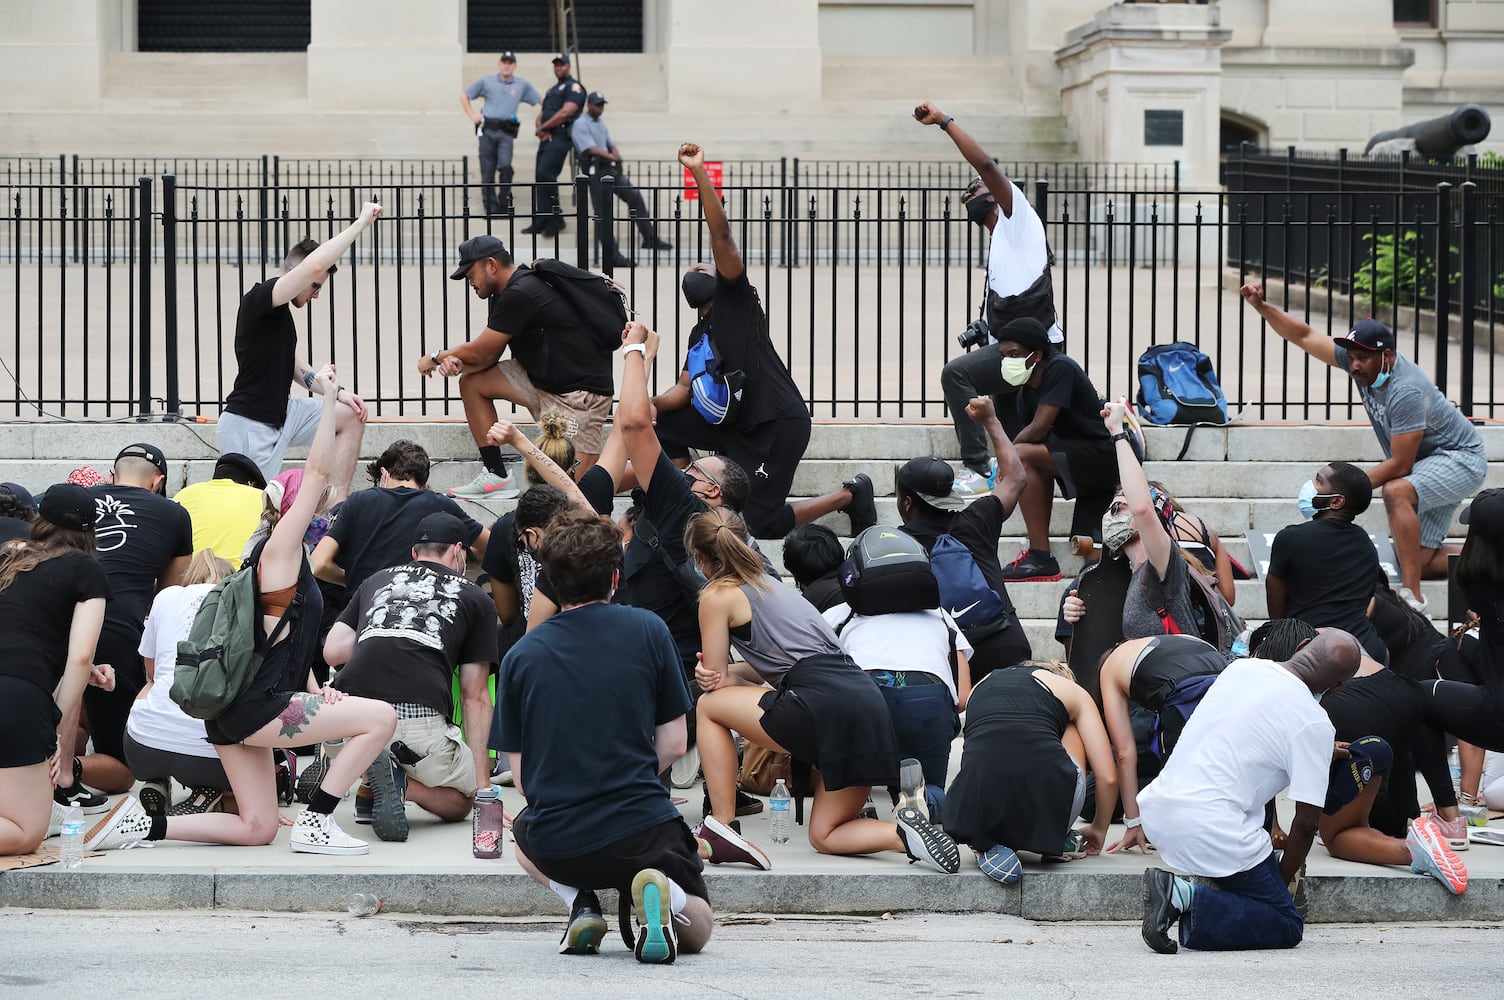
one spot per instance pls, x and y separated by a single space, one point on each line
561 105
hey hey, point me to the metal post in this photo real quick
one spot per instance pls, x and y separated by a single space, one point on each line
143 301
582 220
1469 267
1443 280
606 225
170 291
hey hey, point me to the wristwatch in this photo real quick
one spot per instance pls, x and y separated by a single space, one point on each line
636 347
1120 436
945 125
434 357
1134 823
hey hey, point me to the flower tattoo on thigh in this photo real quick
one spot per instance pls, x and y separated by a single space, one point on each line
299 710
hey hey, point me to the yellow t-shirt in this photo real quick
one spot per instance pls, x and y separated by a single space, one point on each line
224 514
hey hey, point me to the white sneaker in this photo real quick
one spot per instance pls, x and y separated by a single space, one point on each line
55 824
1418 604
123 827
486 486
317 833
970 483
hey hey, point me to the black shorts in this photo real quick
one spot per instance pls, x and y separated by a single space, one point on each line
1085 467
28 723
668 847
828 713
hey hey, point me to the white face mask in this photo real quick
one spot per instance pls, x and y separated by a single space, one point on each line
1116 530
1016 371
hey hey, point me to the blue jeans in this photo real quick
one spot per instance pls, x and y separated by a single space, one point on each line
1249 911
925 722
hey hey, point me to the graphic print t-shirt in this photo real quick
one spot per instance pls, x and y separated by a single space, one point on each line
137 534
413 625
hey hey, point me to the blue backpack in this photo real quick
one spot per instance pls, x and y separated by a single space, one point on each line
715 392
1177 385
964 592
1181 703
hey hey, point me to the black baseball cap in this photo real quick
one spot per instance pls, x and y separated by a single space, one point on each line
233 465
150 452
561 57
22 494
440 528
474 249
1370 335
596 97
68 506
1485 515
508 56
931 480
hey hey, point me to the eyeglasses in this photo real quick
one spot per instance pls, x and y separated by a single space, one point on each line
695 465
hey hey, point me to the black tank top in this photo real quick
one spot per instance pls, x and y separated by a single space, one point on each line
1167 661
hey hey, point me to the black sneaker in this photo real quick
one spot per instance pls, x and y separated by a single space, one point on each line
586 926
656 243
155 797
388 808
1031 566
746 805
862 510
534 228
311 778
199 801
622 260
1159 911
77 795
923 841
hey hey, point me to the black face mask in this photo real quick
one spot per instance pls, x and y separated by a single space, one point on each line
699 288
979 209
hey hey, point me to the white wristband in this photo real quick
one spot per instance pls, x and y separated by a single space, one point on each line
642 348
1134 823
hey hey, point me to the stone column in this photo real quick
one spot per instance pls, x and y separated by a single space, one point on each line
739 56
1142 84
387 55
50 55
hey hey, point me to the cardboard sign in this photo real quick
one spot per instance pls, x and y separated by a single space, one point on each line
715 169
1261 542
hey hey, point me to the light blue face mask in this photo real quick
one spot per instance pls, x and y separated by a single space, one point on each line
1381 378
1306 500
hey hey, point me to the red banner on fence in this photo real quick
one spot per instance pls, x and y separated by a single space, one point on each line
716 170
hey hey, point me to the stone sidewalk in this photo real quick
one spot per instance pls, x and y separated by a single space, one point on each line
434 873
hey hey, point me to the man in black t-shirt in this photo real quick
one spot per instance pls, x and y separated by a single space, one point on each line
258 419
372 528
586 736
556 363
400 639
1322 571
929 507
1055 419
144 542
768 429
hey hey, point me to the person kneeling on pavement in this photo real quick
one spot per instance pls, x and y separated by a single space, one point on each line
399 639
597 816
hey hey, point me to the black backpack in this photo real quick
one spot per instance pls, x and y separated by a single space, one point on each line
600 302
886 572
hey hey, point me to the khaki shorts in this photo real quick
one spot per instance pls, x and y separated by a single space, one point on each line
447 762
587 411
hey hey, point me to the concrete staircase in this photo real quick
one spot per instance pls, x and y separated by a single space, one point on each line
1237 479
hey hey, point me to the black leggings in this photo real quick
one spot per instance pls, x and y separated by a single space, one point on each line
1473 713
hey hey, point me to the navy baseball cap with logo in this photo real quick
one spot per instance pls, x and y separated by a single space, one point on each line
474 249
440 528
596 97
1369 335
561 57
931 480
508 56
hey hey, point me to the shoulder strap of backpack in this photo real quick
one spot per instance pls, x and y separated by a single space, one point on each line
1185 445
845 622
955 662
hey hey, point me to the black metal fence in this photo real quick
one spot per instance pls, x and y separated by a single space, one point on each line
124 295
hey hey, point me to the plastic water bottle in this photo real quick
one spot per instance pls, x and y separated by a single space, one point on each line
70 850
485 826
363 904
1240 644
779 804
1454 764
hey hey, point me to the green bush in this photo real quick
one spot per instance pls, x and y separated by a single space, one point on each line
1393 270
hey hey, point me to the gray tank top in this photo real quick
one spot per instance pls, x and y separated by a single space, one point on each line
785 629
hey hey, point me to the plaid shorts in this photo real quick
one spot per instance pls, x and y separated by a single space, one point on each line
1442 481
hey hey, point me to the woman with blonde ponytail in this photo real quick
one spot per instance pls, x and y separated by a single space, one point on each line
823 710
555 432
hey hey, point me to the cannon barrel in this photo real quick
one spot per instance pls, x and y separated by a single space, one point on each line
1444 135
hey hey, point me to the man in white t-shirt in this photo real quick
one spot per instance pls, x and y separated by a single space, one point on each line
1018 284
1258 730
